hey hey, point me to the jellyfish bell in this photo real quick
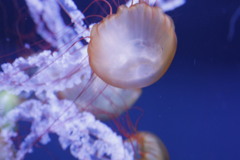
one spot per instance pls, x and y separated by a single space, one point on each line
102 100
62 67
147 146
134 47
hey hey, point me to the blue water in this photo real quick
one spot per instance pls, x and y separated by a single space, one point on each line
195 107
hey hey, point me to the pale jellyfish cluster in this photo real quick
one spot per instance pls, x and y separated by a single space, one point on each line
57 92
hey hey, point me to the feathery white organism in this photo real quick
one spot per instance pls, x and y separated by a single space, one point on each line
39 77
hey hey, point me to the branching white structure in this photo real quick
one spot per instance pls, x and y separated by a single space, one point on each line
44 74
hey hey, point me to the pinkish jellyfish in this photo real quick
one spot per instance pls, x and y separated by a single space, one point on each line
67 87
133 48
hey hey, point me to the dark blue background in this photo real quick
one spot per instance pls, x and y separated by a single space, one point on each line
195 107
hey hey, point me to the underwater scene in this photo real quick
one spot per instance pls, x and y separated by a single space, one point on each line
119 80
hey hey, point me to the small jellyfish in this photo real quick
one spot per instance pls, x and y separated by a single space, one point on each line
147 146
101 99
134 47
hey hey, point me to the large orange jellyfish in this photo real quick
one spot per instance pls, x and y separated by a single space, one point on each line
130 50
134 47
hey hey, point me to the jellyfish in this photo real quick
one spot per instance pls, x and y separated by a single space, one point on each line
106 102
68 88
147 146
134 47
